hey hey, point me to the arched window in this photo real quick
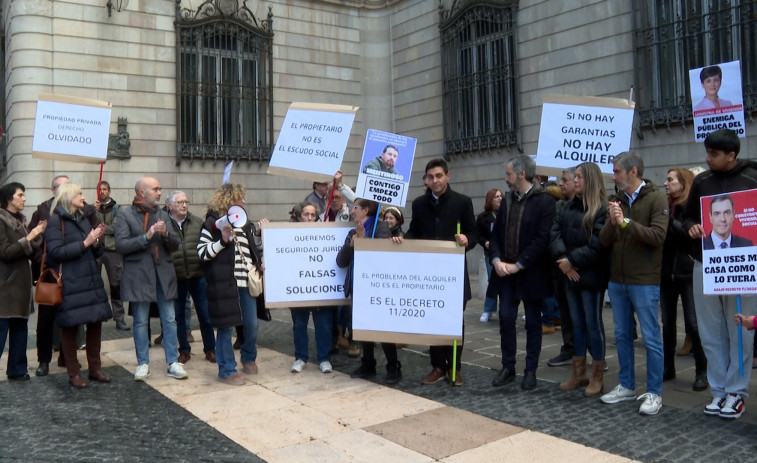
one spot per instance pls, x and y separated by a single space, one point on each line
480 99
224 83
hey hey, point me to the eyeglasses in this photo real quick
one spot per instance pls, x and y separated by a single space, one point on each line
181 203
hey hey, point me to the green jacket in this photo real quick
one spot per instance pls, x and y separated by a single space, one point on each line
186 261
107 215
636 257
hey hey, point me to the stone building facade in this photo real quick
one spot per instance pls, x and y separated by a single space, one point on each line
385 56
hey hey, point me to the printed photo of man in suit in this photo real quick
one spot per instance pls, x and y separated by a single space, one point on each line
721 217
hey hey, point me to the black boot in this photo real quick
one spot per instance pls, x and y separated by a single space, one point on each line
393 373
366 370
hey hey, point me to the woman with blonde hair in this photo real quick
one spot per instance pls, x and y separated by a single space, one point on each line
585 262
227 255
72 242
677 280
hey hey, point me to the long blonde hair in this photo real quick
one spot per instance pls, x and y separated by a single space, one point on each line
225 197
64 197
594 196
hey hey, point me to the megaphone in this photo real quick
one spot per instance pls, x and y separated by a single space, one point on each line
235 217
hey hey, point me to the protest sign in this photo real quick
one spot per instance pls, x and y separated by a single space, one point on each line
729 254
385 168
300 263
71 129
576 129
312 141
717 99
410 293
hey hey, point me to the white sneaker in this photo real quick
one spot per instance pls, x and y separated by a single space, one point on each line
651 405
143 371
298 366
325 366
733 407
713 408
176 370
484 317
618 394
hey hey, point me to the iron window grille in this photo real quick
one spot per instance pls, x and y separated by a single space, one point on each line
224 83
480 95
673 36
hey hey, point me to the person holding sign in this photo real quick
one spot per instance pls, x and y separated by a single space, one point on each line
711 78
443 214
520 258
636 235
227 255
720 338
721 218
322 317
384 162
364 215
584 261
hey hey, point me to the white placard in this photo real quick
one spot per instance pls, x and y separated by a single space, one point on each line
415 288
312 141
385 168
717 100
583 129
71 129
300 263
730 218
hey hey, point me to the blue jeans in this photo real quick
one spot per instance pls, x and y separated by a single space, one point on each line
321 323
549 311
585 306
490 303
197 288
141 313
644 300
508 312
227 364
17 329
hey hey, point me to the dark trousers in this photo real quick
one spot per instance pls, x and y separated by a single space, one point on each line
390 352
68 346
441 356
566 323
197 288
45 332
508 313
15 329
669 293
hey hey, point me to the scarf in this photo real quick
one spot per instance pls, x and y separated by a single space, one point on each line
147 210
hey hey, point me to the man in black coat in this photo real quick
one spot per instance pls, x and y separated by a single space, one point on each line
436 216
521 264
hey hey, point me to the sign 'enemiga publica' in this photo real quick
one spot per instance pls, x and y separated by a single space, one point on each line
73 129
300 263
409 293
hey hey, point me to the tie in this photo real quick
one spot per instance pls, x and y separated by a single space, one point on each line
723 245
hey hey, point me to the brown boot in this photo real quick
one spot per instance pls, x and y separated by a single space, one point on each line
578 378
597 379
686 348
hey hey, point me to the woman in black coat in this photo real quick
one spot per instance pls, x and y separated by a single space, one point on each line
485 225
574 243
73 244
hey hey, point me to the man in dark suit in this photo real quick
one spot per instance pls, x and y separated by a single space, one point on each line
521 264
437 214
721 217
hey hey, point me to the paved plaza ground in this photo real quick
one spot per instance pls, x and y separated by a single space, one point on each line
283 417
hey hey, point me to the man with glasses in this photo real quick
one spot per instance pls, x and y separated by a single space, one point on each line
189 276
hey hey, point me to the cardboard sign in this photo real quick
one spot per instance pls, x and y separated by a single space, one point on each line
717 100
300 263
71 129
576 129
385 168
312 141
410 293
729 253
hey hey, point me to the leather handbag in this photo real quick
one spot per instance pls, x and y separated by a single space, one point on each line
254 275
49 289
